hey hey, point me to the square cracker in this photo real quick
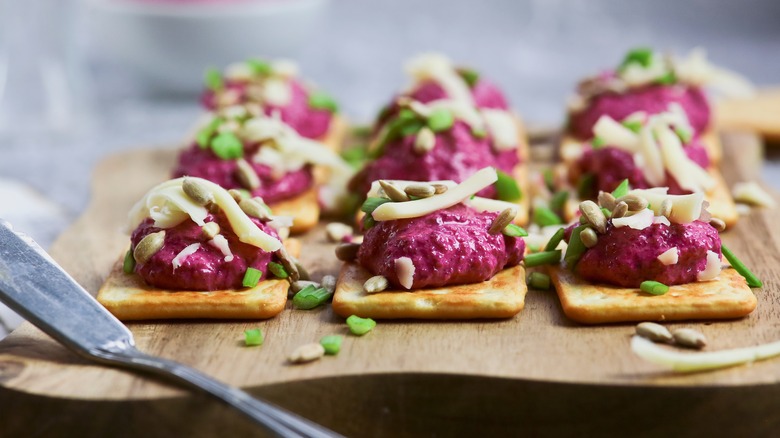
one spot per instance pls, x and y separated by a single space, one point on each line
304 208
128 297
726 297
334 138
503 296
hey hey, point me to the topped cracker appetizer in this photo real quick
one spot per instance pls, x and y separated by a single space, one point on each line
648 81
273 86
447 254
199 251
266 157
649 256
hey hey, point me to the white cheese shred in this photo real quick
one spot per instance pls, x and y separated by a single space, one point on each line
404 268
221 243
639 221
182 256
669 257
711 269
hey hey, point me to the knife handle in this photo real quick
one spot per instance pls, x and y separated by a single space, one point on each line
276 420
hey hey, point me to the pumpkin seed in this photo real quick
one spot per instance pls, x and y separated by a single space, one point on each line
197 191
502 220
375 284
210 230
236 194
425 141
666 207
607 201
654 332
689 338
307 353
246 175
420 190
634 202
620 210
394 193
347 252
253 208
718 224
589 237
289 264
148 246
440 188
594 216
329 283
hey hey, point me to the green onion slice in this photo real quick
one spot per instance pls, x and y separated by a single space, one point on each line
622 189
372 203
543 216
559 200
598 143
667 79
278 270
440 120
513 230
641 55
331 344
213 79
360 326
737 264
355 156
586 187
320 100
253 337
538 280
576 248
684 134
259 67
542 258
549 179
368 222
227 146
470 76
633 125
204 135
507 188
251 277
555 239
311 297
128 266
654 287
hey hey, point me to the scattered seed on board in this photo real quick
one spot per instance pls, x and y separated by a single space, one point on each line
347 252
148 246
336 231
607 201
666 207
440 188
689 338
376 283
718 224
210 230
246 175
594 216
329 283
634 202
197 191
307 353
589 237
654 332
394 193
502 220
420 190
621 208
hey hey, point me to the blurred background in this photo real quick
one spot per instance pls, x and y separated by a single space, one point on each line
80 79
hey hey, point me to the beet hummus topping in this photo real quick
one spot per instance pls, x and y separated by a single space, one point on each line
648 150
191 234
421 234
443 140
268 87
649 81
645 236
260 154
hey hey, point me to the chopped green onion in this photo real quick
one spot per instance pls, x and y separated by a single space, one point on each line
128 266
586 187
252 277
406 114
479 133
227 146
362 131
538 280
684 134
310 297
543 216
533 248
608 214
411 127
558 201
320 100
598 143
360 326
213 79
513 230
372 203
555 240
368 221
576 248
654 287
278 270
622 189
667 79
737 264
331 344
253 337
259 67
633 125
549 179
542 258
470 76
642 56
204 135
507 188
440 120
405 123
355 156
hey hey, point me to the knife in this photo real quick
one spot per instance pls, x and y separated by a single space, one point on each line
33 285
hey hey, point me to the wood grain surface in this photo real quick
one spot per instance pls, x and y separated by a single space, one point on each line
537 372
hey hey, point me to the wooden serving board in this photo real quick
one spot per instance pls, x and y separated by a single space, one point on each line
537 372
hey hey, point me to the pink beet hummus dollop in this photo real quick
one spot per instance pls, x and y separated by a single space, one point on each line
626 257
485 94
206 269
307 121
447 247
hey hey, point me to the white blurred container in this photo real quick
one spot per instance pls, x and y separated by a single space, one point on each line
170 44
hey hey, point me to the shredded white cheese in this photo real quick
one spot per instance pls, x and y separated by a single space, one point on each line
186 252
653 169
221 243
712 269
481 204
670 256
404 268
685 171
685 208
277 92
438 68
502 126
615 134
638 221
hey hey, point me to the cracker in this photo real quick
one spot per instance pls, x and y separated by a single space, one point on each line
726 297
503 296
304 208
337 131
